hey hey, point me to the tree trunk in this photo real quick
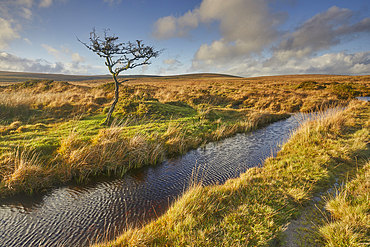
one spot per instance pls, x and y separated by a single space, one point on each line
116 96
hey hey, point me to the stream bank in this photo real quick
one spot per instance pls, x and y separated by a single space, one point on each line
254 209
81 215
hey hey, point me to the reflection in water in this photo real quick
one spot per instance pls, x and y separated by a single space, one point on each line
79 215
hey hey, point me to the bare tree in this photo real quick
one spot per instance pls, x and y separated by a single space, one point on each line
119 57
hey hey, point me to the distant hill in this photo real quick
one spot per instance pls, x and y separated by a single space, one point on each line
204 75
7 77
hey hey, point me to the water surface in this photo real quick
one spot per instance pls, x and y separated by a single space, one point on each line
364 98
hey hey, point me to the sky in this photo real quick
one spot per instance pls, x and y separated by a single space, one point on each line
238 37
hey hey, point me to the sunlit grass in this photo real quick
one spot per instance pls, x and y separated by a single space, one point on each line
254 209
77 146
349 208
163 117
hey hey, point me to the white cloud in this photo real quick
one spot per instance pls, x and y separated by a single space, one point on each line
9 62
171 61
321 32
165 28
246 26
26 13
45 3
160 71
250 29
76 58
170 65
169 26
332 63
28 41
27 3
144 68
13 13
7 32
13 9
52 51
64 53
339 63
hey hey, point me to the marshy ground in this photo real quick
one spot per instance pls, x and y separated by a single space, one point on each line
50 133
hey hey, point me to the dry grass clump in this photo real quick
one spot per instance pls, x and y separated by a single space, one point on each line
252 210
13 104
110 152
24 171
260 118
349 209
174 139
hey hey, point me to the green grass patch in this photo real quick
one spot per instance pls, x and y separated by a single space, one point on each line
152 109
346 90
310 85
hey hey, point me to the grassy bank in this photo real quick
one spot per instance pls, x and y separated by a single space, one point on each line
253 210
50 131
349 210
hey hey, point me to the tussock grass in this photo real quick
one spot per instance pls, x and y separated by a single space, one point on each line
349 208
254 209
24 171
110 152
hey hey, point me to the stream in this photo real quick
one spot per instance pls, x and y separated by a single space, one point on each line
79 215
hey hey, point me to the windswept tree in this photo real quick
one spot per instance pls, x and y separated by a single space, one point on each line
119 57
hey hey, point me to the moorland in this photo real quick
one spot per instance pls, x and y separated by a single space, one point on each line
51 133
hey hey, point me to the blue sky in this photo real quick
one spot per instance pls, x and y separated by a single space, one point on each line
237 37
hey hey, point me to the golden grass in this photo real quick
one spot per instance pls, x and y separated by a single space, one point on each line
273 94
25 172
46 99
253 210
109 152
113 152
170 116
349 209
276 94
